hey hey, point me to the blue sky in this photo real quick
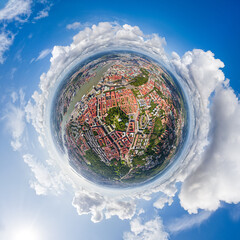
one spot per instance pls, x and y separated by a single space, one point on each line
206 25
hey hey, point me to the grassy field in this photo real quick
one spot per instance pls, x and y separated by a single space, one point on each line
157 132
138 160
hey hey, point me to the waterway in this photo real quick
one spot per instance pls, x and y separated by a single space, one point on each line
83 90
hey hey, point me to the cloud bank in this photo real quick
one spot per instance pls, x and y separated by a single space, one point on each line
217 177
209 173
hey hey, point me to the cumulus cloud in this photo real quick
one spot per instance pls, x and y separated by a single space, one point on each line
201 69
14 118
122 209
202 74
188 221
150 230
212 171
45 180
217 178
89 203
160 203
18 10
99 206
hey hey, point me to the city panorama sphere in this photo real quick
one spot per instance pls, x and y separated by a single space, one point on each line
120 118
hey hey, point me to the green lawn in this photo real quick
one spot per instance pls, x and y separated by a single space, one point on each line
140 79
117 118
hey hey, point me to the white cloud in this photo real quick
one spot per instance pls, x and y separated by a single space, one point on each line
14 97
202 74
35 112
14 118
211 171
74 25
201 69
141 211
89 40
43 13
211 167
89 203
45 181
12 72
6 40
160 203
188 221
218 177
18 10
44 53
99 206
150 230
123 209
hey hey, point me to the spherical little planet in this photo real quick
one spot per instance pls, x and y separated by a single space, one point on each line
120 117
